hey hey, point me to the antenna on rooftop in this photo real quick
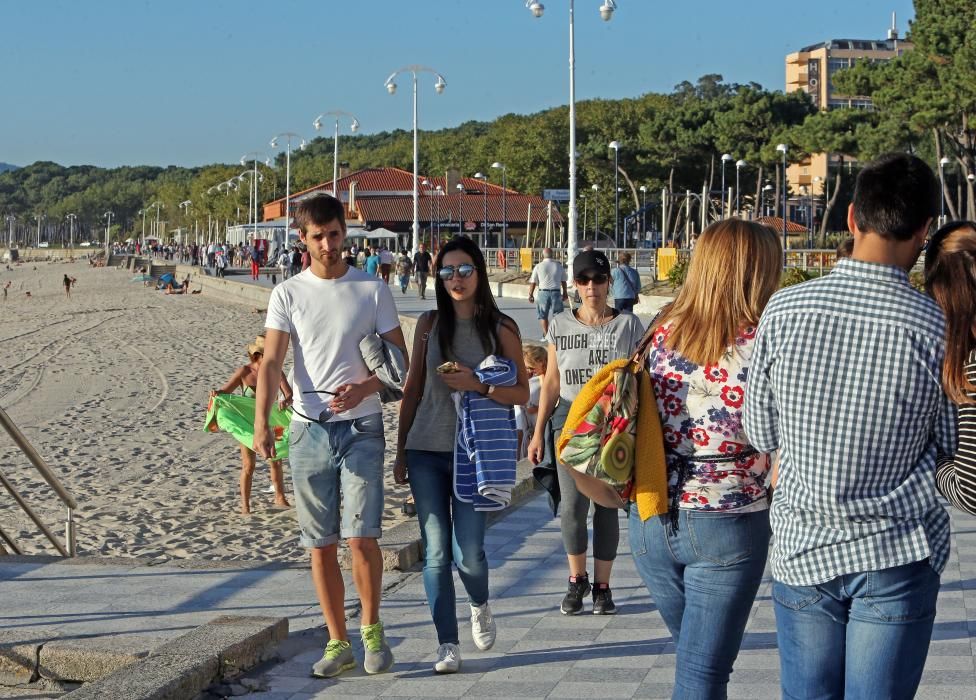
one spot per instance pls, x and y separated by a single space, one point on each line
893 32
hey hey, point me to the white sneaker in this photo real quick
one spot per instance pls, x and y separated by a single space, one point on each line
482 626
448 658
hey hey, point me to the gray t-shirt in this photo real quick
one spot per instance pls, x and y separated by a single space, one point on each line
582 350
434 425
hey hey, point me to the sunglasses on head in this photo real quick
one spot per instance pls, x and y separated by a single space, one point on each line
598 278
463 271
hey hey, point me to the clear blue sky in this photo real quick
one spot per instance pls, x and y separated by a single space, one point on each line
191 82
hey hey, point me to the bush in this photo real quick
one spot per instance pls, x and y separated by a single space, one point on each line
678 273
794 275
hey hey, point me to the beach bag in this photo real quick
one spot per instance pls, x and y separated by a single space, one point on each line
235 415
612 442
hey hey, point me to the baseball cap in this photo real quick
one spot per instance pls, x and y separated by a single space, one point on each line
590 260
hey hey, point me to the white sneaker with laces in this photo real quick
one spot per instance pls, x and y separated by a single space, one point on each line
482 626
448 658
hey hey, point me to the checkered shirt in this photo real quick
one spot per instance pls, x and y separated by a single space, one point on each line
845 383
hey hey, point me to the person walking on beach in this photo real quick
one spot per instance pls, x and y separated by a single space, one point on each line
703 561
844 383
550 277
466 328
581 341
404 268
245 379
421 267
67 286
386 264
626 285
336 441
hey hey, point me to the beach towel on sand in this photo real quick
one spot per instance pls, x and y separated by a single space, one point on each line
235 415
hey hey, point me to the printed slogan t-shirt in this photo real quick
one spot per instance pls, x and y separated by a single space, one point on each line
582 350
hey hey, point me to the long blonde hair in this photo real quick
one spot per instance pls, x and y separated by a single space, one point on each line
950 279
734 270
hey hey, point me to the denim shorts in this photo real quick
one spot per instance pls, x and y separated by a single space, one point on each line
333 463
547 300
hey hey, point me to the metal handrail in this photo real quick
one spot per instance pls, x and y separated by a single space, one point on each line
35 458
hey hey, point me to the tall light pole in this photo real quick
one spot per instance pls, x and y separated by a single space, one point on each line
739 165
10 231
71 230
38 218
583 197
504 170
185 206
337 114
725 159
643 191
606 12
288 136
158 205
484 195
615 145
108 232
391 87
596 211
942 194
782 149
460 191
255 156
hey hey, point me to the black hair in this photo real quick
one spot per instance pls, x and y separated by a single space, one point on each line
895 196
319 211
486 313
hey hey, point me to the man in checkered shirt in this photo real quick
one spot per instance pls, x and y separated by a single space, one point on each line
845 385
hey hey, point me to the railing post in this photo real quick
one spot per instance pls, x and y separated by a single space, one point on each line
70 534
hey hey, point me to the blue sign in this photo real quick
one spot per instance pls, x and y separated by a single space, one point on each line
556 195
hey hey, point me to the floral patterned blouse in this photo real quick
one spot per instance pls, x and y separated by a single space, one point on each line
701 415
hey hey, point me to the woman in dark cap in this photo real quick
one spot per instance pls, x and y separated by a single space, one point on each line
581 341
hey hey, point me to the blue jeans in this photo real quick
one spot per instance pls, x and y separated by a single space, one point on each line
704 579
857 636
451 531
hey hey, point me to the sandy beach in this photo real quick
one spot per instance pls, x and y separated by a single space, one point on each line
111 388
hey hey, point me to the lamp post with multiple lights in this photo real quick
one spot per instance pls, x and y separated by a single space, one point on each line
615 145
71 230
606 12
108 232
288 136
739 165
484 194
336 114
725 159
391 87
944 161
255 156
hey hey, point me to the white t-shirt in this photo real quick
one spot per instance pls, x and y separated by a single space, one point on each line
548 274
326 319
284 260
386 257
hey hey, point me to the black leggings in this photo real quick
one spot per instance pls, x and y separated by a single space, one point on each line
575 507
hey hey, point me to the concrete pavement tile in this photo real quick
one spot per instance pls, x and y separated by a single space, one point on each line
582 674
563 634
654 691
583 621
966 678
944 692
510 672
594 690
754 691
451 686
510 689
651 635
289 684
949 663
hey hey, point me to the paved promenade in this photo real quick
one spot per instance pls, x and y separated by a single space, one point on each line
541 653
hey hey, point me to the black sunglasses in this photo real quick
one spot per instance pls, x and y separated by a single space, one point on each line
463 271
598 278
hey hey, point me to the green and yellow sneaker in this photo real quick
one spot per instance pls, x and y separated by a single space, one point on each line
378 657
336 659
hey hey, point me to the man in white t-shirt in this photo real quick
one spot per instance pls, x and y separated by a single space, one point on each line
336 441
550 277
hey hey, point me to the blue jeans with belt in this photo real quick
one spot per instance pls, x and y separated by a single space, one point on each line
857 636
703 577
452 532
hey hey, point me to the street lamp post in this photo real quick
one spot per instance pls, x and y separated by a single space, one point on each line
460 190
583 197
504 170
725 159
942 195
782 149
255 156
739 165
71 230
615 145
10 231
185 206
288 136
643 191
353 127
439 86
108 232
484 195
606 12
38 218
596 211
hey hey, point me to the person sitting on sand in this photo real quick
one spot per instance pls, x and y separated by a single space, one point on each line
246 379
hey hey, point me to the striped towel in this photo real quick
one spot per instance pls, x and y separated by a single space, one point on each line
484 454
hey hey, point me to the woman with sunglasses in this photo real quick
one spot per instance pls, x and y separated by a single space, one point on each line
580 342
950 279
448 343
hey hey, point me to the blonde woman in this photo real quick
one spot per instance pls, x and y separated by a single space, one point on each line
702 561
950 279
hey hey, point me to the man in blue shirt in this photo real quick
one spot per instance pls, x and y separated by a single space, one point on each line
626 285
373 263
844 383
